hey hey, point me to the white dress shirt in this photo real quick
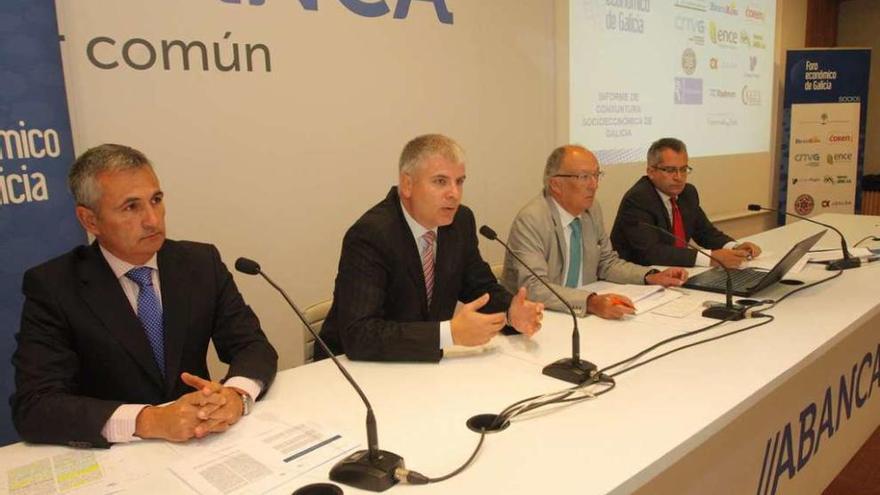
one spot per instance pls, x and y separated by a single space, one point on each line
123 422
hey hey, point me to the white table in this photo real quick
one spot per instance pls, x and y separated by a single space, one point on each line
697 421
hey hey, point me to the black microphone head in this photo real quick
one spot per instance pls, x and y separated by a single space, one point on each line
754 207
247 266
488 233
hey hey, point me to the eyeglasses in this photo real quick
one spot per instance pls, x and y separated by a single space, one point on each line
687 169
583 177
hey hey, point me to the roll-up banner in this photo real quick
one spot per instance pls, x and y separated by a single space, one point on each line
824 112
37 219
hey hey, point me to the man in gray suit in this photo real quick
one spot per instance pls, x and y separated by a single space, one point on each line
561 236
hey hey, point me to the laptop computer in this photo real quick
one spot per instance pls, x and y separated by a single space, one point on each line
748 281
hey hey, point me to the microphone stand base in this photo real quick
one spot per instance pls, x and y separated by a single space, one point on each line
359 471
722 312
571 371
844 264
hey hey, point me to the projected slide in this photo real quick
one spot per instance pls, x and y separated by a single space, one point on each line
698 70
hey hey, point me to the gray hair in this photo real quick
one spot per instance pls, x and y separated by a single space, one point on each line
659 145
554 161
423 147
83 176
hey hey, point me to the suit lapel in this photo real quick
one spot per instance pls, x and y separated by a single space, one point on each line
408 251
659 204
559 231
174 280
447 239
104 296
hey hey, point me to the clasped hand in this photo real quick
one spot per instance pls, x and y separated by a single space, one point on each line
212 408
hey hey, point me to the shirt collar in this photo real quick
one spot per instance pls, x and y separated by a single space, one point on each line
564 216
665 197
415 227
120 267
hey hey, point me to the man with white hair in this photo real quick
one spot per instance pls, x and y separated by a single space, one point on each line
407 262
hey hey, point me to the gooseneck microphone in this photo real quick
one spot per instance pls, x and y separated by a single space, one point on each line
847 262
573 369
730 311
370 469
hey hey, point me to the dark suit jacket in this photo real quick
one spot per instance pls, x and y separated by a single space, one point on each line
640 244
380 310
82 351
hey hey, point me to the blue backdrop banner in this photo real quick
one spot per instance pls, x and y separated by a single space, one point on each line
823 121
37 219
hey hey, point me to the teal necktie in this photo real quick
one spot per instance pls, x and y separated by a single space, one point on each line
574 254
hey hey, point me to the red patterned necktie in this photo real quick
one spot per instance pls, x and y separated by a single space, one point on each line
428 263
677 225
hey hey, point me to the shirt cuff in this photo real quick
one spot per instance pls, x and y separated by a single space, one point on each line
702 260
446 334
730 245
122 424
250 387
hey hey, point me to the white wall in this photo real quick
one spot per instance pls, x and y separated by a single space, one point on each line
277 165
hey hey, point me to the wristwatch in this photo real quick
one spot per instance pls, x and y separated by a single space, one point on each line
650 272
247 403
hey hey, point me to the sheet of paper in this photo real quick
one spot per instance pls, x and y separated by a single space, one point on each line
261 462
634 292
61 473
682 307
658 299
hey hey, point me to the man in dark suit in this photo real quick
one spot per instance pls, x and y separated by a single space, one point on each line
663 198
111 329
407 262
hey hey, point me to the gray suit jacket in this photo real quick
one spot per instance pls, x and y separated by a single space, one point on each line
537 236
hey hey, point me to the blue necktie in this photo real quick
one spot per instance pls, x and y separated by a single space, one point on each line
574 255
149 312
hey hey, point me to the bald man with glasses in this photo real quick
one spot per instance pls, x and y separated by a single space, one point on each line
664 198
561 235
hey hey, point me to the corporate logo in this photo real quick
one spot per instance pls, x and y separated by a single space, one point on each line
729 8
750 96
838 158
716 63
809 140
698 5
722 119
804 204
721 93
840 138
688 61
724 38
695 27
753 66
754 13
796 180
377 8
19 183
828 203
688 91
758 41
837 179
808 159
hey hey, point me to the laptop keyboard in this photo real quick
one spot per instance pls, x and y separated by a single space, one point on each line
741 279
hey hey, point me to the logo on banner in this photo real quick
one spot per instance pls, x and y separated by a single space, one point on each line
807 179
840 138
839 158
715 63
758 41
695 27
827 203
754 13
378 8
722 119
688 91
721 93
19 183
689 61
698 5
729 9
809 140
804 204
750 97
808 159
838 179
724 38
